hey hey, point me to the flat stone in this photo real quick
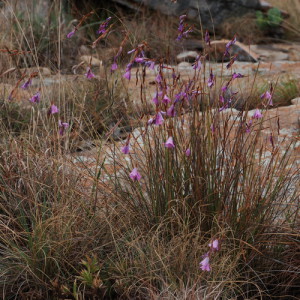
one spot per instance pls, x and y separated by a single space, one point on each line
91 60
40 70
296 101
268 53
243 52
188 56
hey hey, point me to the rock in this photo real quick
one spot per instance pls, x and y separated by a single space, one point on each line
41 70
269 53
296 101
90 60
243 51
187 56
184 65
217 10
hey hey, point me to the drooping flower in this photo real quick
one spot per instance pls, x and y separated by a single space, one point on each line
171 111
62 127
188 152
257 114
267 95
36 98
89 74
197 65
127 74
211 80
237 75
155 99
166 99
158 78
25 85
125 149
222 99
135 175
169 143
159 119
249 126
207 38
150 64
114 66
53 110
204 264
70 34
180 27
228 45
103 26
131 51
214 245
140 60
224 88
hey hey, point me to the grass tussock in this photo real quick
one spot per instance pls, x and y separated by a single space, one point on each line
201 205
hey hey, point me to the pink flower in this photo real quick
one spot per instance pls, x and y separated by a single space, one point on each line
125 149
25 85
114 66
171 111
70 34
127 75
214 245
211 80
155 99
53 110
158 78
166 99
257 114
103 26
188 152
228 45
204 264
36 98
169 143
159 119
267 95
62 127
207 38
237 75
89 74
135 175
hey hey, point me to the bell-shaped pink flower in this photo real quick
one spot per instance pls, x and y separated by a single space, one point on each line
204 264
25 85
171 111
214 245
159 120
125 149
166 99
36 98
53 110
169 143
257 114
135 175
70 34
114 66
62 127
188 152
89 74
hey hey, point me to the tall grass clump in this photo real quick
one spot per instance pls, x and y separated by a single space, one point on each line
200 202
